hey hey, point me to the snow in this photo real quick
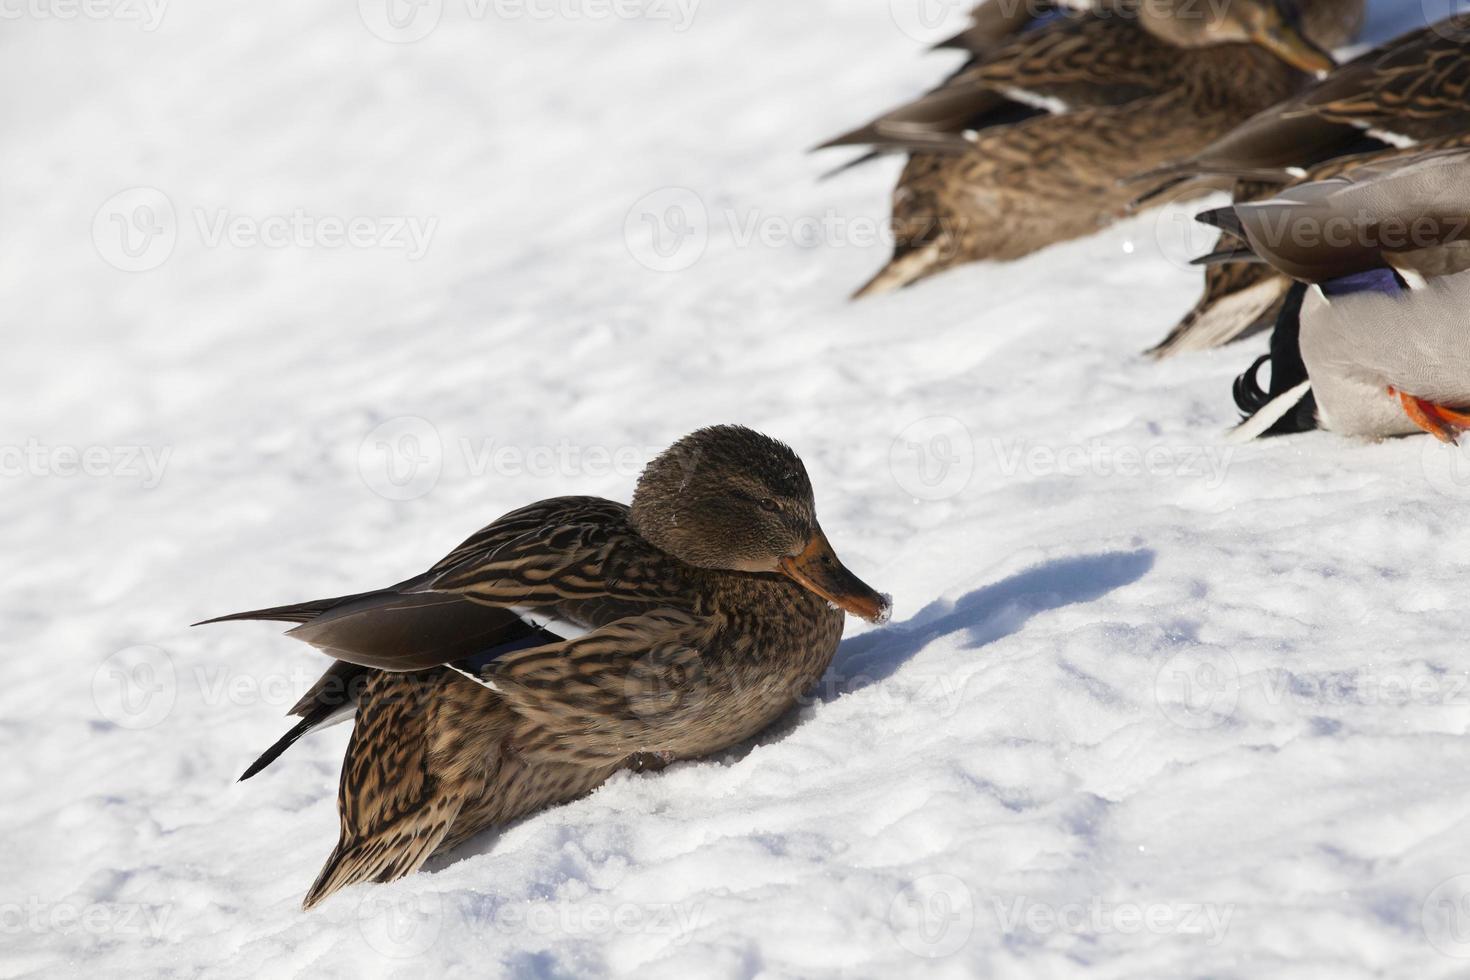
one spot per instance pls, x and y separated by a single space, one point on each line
1151 704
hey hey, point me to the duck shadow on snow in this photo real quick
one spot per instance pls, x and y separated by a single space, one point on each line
987 614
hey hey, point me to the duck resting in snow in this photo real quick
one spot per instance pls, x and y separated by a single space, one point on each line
1027 144
567 640
1373 339
1400 99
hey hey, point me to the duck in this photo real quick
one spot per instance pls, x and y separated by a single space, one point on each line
568 640
1404 97
1371 340
992 24
1026 145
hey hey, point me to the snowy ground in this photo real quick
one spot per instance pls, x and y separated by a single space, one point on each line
1151 705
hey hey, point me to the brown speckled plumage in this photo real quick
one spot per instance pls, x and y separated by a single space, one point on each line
1029 144
697 637
1407 96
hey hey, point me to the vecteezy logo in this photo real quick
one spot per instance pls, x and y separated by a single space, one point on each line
402 458
1437 14
1198 689
933 915
400 925
1446 917
668 230
400 21
666 684
1446 466
135 688
934 458
1180 238
135 230
928 21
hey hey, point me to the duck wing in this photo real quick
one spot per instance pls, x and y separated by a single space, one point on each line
642 683
529 578
1081 59
1372 217
1411 89
1407 91
993 22
534 578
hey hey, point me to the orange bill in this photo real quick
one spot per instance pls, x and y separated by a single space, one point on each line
818 570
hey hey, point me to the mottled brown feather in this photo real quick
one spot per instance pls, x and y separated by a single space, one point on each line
1123 101
1228 284
402 786
679 661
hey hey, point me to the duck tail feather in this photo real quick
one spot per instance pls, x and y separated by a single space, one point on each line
857 161
1271 413
1218 321
1224 219
904 270
397 850
1221 256
318 718
299 612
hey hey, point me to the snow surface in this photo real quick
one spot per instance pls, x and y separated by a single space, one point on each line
1151 705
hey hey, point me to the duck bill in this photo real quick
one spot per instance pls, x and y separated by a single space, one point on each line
817 570
1287 42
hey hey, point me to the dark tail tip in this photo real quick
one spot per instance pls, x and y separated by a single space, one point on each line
1225 255
233 617
284 742
1223 218
1250 396
854 162
296 612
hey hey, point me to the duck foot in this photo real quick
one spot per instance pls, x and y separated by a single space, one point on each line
1445 424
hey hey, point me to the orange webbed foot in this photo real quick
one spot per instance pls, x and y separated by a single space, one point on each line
1445 424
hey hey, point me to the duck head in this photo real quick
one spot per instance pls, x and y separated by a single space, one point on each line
729 498
1274 25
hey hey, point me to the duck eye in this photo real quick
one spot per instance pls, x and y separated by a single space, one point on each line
770 505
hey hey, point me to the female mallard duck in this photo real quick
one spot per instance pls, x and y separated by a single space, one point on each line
1372 338
1405 97
569 637
1027 145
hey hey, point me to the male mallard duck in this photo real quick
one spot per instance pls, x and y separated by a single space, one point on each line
1372 337
1027 145
568 637
1405 97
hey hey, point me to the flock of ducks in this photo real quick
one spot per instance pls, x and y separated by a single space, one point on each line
577 636
1029 143
1347 233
